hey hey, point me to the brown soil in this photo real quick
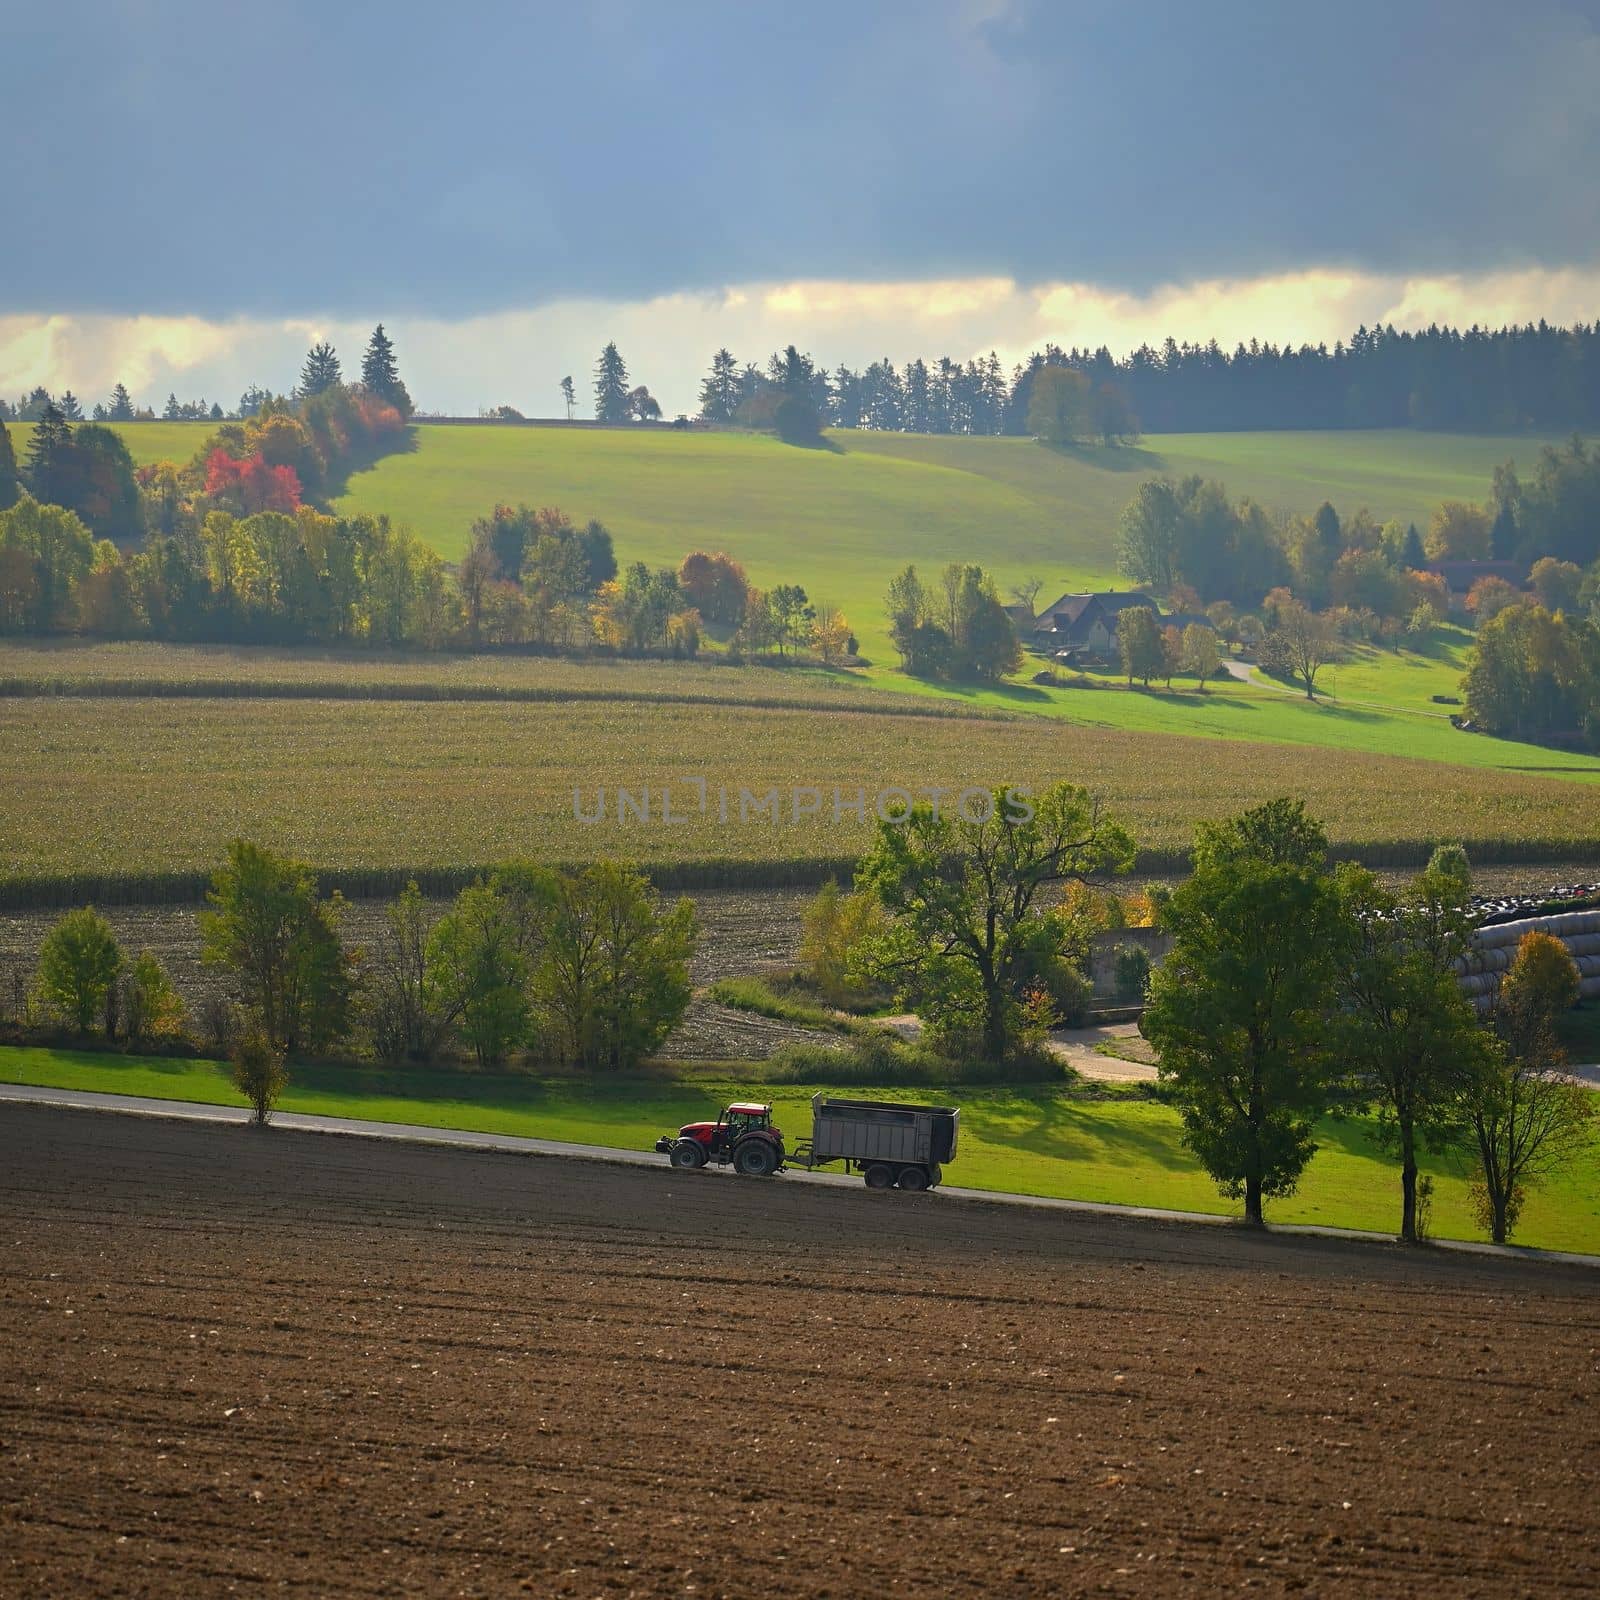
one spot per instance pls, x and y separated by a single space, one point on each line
237 1360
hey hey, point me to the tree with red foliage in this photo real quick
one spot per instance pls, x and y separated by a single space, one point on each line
251 484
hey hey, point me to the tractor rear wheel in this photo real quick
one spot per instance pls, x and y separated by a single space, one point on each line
688 1155
913 1178
755 1159
879 1176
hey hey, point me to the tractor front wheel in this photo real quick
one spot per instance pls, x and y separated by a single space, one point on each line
879 1176
756 1159
686 1153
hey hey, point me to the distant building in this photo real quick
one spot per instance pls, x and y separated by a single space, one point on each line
1087 623
1021 619
1459 576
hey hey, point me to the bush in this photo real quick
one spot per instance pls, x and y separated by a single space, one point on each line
79 963
879 1059
1130 965
259 1073
151 1007
832 929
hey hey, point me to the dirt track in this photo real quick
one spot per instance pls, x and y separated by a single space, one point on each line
235 1360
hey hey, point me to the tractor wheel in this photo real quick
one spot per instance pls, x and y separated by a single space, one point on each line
879 1176
688 1154
755 1159
913 1178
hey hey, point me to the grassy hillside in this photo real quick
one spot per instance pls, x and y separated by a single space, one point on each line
841 520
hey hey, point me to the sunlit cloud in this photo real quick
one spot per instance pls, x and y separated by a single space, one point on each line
458 367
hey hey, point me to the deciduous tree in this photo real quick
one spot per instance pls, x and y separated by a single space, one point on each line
1239 1010
961 889
79 963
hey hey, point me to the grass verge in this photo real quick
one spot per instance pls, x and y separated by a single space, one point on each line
1039 1140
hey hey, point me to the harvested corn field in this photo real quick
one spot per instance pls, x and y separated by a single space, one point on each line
150 786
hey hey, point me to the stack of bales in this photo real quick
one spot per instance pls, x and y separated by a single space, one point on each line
1494 949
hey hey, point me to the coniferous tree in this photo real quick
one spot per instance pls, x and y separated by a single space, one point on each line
379 370
569 396
47 455
173 411
719 391
121 407
611 386
9 484
34 407
71 407
321 370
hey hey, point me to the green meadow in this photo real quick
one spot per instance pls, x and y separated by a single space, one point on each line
1044 1140
842 519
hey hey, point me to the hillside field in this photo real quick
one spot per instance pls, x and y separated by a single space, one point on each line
843 519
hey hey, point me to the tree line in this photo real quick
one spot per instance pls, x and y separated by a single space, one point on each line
589 968
1293 988
1533 376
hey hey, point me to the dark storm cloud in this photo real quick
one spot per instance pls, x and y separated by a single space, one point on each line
312 157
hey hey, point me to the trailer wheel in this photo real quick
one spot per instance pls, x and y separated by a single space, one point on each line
879 1176
688 1154
755 1159
913 1178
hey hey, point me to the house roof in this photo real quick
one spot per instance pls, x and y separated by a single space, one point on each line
1461 575
1110 601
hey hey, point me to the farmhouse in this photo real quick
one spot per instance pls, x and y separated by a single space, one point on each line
1459 576
1087 622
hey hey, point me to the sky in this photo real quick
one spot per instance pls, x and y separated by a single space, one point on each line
208 187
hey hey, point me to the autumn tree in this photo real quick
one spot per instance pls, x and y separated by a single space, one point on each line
1309 641
1528 1119
1200 654
1458 532
1060 409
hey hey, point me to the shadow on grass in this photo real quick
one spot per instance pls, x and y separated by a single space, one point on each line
1108 457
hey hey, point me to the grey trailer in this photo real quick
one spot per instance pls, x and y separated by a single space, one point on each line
889 1143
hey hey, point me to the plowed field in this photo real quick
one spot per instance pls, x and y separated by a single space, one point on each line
237 1361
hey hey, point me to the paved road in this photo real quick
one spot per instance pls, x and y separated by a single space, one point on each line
189 1110
1075 1046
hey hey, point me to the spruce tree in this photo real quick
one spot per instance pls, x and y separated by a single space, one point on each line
1412 554
321 371
379 370
611 386
71 407
174 411
719 390
47 454
121 408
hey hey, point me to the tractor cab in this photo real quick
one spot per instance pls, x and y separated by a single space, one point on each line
743 1135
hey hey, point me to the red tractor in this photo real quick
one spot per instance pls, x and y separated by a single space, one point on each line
743 1137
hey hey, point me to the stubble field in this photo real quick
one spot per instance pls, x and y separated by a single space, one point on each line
117 788
238 1361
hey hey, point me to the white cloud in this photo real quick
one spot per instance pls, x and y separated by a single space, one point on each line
519 357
